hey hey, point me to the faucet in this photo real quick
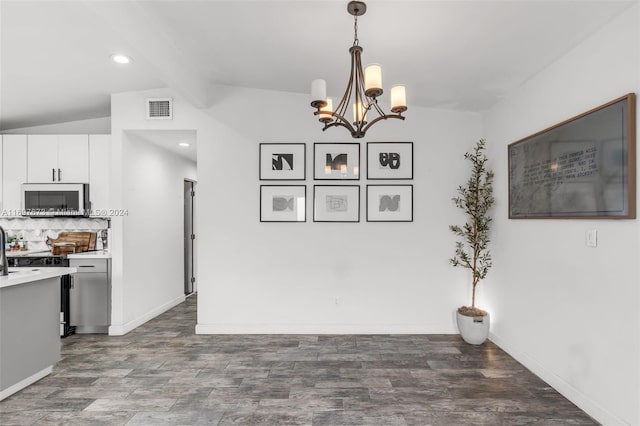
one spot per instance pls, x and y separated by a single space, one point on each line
4 268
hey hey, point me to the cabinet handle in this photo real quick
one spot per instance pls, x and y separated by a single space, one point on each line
53 175
86 266
59 175
73 282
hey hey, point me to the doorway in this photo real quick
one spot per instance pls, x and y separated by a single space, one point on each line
189 238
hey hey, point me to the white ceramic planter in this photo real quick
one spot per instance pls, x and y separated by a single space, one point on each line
474 330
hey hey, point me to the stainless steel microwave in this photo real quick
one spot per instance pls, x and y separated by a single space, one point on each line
55 199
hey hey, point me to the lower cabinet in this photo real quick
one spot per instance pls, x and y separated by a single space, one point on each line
90 295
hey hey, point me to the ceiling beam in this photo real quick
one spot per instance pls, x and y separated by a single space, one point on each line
139 26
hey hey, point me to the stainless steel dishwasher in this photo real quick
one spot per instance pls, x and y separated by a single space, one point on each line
90 295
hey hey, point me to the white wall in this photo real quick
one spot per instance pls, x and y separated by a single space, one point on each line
147 242
92 126
285 277
569 312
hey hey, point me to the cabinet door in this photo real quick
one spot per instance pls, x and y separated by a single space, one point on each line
73 158
42 158
89 303
99 173
14 171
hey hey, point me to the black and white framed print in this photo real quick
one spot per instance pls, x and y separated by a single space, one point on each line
336 161
283 203
282 161
336 203
390 160
389 203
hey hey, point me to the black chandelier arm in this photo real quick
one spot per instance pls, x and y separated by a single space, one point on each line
374 103
360 97
339 121
345 101
382 117
356 133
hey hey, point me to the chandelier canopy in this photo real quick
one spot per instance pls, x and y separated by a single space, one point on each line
362 92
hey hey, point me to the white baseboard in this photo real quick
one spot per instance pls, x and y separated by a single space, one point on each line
444 328
121 330
565 388
26 382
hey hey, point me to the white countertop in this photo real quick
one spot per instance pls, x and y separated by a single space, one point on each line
26 275
27 253
98 254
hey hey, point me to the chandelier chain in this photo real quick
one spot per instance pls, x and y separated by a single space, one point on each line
356 42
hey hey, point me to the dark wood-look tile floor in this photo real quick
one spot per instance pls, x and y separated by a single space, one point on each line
163 374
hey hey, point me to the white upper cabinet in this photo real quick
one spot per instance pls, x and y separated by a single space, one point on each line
73 158
99 173
58 158
42 161
14 172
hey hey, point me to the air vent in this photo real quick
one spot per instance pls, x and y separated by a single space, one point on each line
160 109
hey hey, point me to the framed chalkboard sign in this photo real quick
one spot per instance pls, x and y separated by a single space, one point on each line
582 168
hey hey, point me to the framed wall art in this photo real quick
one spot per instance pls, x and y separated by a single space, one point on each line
336 161
582 168
282 161
336 203
389 160
283 203
389 203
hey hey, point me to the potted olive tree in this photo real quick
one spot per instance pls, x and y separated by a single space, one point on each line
475 199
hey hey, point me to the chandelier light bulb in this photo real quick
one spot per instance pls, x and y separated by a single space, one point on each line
325 111
398 98
358 112
318 92
373 80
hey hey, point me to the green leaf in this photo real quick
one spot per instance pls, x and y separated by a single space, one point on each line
475 200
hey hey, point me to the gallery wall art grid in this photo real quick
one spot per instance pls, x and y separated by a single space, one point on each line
385 161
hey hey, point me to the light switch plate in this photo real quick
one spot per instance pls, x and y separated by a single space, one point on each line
592 238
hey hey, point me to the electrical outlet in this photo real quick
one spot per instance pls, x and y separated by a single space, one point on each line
337 300
592 238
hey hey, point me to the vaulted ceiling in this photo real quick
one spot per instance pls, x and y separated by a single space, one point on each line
55 55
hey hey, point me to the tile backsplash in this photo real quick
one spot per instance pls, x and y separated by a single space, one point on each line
34 232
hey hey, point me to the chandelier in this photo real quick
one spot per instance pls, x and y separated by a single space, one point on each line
363 89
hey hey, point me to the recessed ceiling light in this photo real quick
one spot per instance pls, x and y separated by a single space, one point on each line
184 144
120 59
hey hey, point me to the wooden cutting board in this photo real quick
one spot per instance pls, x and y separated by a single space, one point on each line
92 241
83 240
